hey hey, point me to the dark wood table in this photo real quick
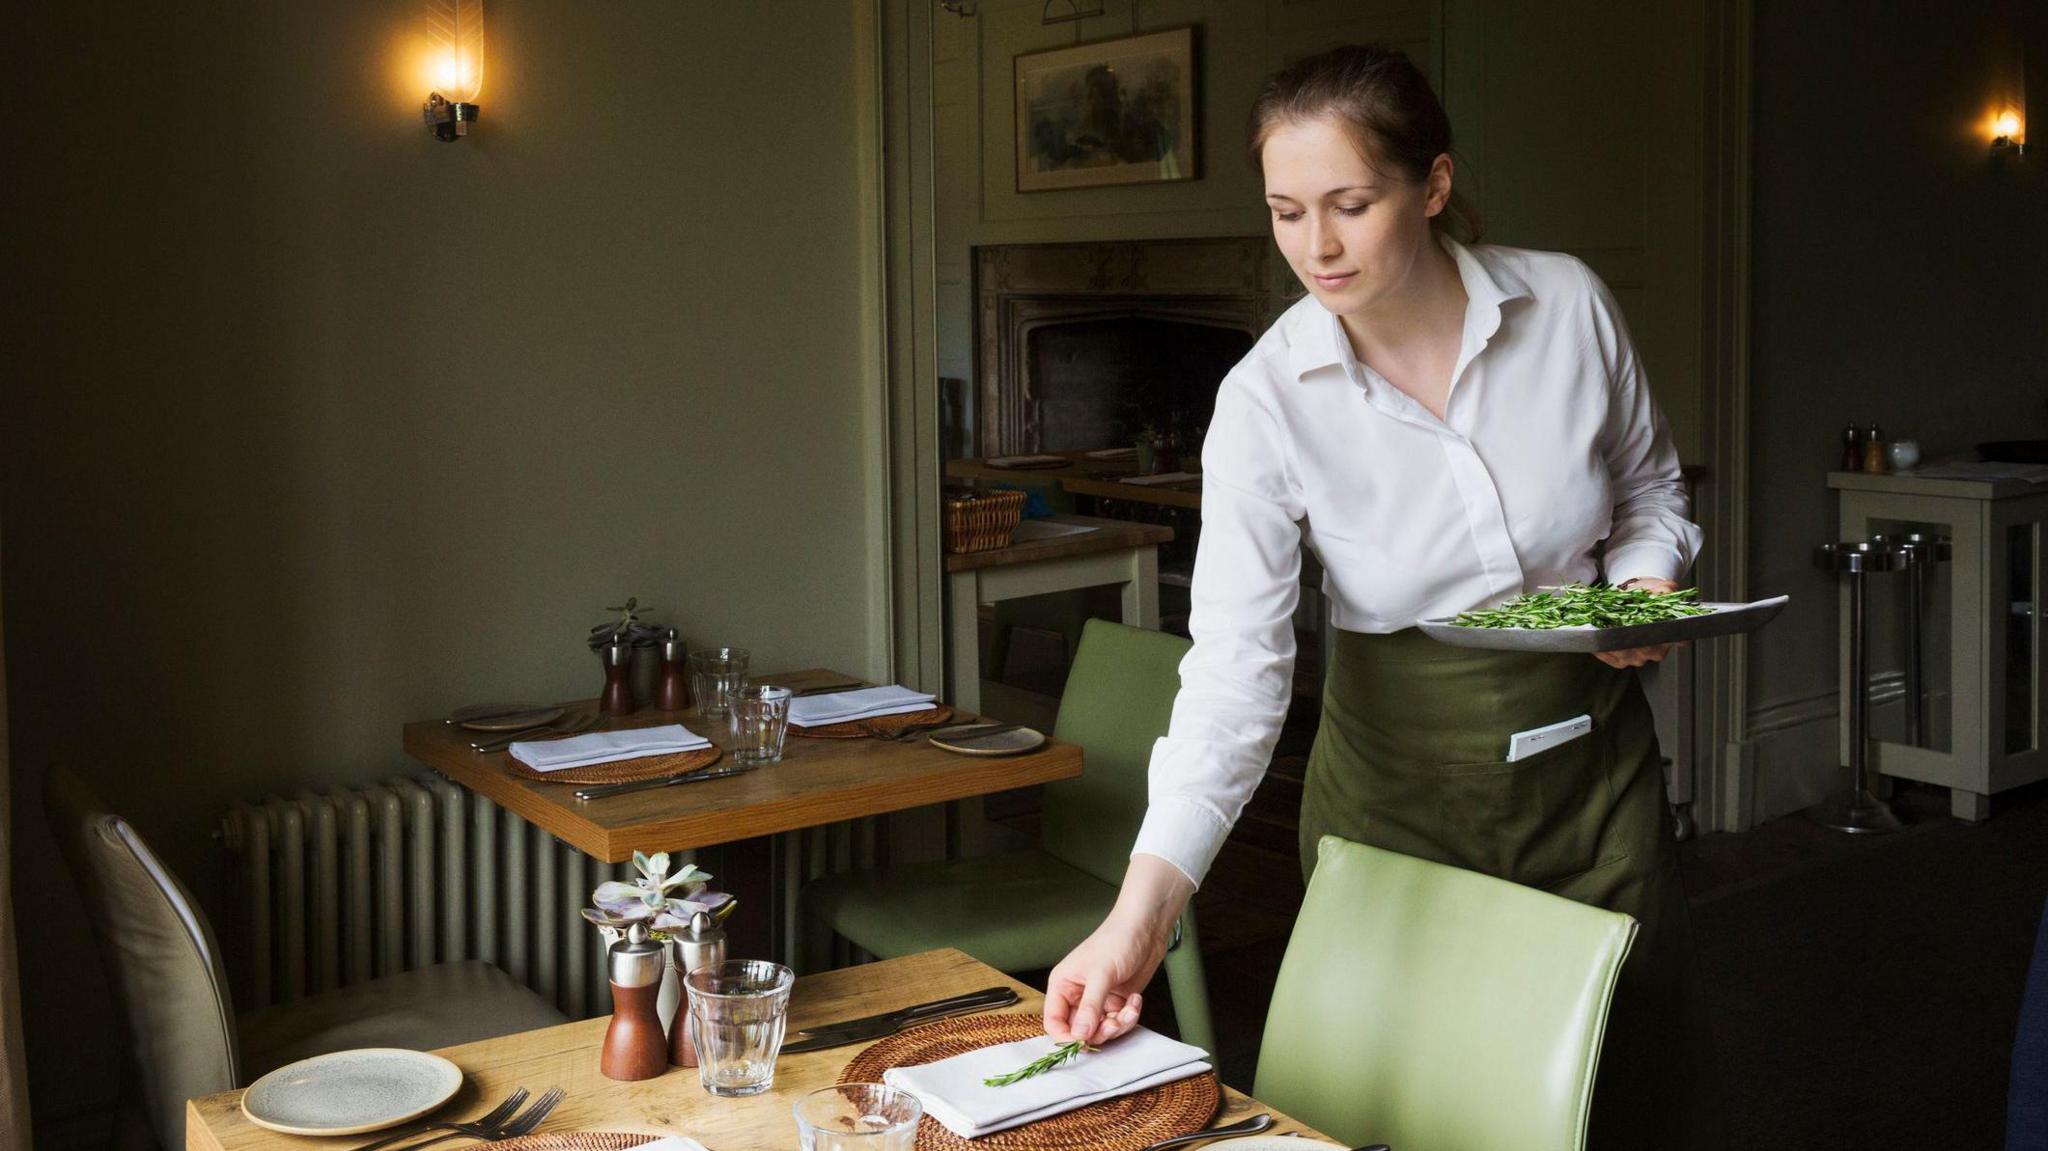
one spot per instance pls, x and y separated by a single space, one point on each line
818 782
674 1102
1083 476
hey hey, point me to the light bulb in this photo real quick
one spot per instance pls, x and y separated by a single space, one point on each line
2007 125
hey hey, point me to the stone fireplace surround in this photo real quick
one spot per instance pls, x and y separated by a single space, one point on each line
1022 289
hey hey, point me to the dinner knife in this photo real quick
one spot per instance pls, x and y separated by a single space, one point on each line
976 734
888 1023
605 789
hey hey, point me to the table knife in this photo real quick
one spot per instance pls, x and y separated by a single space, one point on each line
604 789
888 1023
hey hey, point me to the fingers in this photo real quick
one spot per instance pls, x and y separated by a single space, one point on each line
1061 994
1088 1014
1633 656
1120 1019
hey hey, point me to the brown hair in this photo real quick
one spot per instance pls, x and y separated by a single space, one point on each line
1383 102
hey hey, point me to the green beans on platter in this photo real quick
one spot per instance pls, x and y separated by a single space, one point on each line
1582 605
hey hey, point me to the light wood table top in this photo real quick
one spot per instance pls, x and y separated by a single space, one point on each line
1107 536
818 782
674 1103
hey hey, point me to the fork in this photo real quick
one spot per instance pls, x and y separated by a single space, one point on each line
522 1124
491 1118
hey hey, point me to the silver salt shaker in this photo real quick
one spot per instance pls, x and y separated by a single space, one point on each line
702 944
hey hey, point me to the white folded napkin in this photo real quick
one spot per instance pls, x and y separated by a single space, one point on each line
863 703
607 747
954 1094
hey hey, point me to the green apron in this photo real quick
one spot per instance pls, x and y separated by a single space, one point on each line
1409 758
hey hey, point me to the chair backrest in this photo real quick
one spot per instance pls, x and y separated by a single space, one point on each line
1425 1006
1117 702
2026 1107
160 956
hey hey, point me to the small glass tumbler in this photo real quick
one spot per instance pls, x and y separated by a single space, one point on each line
715 674
858 1117
737 1012
760 718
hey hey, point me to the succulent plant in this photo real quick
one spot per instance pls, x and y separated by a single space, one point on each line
655 899
628 628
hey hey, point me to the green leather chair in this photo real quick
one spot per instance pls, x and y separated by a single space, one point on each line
170 987
1023 911
1425 1006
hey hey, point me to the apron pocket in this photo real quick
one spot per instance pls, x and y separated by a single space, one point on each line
1536 821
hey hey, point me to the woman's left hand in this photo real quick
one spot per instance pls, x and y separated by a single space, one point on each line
1639 656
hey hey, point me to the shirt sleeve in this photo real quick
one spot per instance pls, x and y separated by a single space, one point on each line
1652 536
1237 680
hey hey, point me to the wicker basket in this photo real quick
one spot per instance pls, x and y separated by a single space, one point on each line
982 521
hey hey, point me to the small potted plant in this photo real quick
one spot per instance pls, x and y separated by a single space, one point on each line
1146 440
663 902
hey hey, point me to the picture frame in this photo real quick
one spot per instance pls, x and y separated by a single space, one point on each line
1106 113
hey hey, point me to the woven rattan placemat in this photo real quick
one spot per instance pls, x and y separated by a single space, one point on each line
1123 1124
621 771
880 727
570 1141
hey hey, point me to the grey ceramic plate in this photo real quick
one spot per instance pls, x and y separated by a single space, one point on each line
1015 742
1726 619
350 1092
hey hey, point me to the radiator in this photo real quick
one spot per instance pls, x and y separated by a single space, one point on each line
330 889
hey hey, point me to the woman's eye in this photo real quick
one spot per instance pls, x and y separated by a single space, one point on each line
1352 209
1287 217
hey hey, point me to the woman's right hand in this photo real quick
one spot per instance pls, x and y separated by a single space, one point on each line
1096 992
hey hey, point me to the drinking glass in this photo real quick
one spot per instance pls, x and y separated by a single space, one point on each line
716 673
760 718
737 1012
858 1117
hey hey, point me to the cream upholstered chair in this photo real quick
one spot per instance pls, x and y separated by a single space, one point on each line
171 990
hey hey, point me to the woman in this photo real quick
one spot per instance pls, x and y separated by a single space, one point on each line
1448 427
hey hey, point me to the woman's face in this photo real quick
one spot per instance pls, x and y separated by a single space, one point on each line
1351 234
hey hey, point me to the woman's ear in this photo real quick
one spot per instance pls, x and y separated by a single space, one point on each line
1439 185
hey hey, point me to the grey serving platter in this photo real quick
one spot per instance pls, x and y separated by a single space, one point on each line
1725 619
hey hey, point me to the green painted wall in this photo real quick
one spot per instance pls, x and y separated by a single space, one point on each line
315 425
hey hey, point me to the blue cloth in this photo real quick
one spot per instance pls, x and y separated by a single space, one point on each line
1035 507
2026 1109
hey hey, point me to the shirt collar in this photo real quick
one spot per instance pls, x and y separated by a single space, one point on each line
1318 339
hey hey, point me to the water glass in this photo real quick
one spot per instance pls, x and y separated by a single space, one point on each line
760 718
715 674
858 1117
737 1012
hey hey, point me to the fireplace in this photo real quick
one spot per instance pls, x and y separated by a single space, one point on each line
1080 345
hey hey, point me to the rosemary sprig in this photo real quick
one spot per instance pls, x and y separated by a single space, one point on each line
1040 1065
1578 605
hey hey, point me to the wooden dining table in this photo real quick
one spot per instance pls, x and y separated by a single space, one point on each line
817 783
566 1056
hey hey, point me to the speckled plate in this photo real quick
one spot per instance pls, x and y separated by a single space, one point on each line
350 1092
1015 742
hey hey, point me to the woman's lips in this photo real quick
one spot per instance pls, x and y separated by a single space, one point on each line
1333 282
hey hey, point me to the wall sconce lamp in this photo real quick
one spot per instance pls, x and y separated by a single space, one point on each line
2008 136
456 28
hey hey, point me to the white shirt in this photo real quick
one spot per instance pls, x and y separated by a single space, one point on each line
1550 447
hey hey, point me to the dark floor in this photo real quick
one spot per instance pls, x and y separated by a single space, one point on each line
1863 989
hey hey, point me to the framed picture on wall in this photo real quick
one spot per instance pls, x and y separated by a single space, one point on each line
1113 112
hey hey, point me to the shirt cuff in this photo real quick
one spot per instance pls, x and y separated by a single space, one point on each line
1183 833
1643 561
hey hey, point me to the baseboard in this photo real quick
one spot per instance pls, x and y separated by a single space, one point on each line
1792 757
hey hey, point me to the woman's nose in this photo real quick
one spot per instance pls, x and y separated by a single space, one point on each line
1322 240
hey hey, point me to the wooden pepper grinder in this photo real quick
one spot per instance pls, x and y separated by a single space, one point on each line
701 945
673 693
634 1047
617 697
